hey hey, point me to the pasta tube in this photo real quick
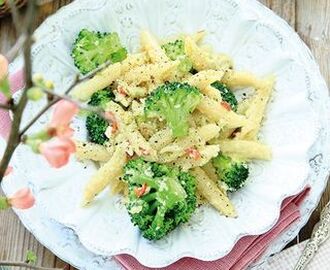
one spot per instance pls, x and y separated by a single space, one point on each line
246 149
92 151
213 194
106 175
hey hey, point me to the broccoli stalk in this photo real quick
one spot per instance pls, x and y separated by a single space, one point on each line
175 51
173 102
226 94
92 49
95 124
231 173
167 198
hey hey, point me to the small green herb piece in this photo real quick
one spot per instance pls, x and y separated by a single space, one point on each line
31 257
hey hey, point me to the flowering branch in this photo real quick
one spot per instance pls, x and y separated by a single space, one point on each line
76 82
54 141
77 103
14 137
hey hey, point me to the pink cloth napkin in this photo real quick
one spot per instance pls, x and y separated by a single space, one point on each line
16 81
245 252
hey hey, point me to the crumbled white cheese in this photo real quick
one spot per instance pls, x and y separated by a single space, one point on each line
136 209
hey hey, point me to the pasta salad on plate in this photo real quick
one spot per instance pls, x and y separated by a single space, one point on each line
173 130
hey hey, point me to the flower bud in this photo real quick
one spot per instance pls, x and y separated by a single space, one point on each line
35 93
22 199
49 85
37 78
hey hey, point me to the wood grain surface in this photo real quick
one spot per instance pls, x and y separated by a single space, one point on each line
310 18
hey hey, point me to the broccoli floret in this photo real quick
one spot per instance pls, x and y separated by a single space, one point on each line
92 49
101 97
173 102
175 51
160 197
95 124
226 94
231 173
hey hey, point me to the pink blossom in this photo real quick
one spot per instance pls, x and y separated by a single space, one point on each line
9 170
57 151
3 67
22 199
60 123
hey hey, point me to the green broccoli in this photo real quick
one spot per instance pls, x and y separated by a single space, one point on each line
226 94
95 124
92 49
173 102
101 97
160 197
175 51
232 173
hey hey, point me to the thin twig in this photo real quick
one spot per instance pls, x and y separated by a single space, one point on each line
5 107
72 86
80 105
26 265
13 52
14 137
15 15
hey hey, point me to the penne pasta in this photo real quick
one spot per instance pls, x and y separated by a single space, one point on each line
209 131
211 173
206 153
200 58
203 80
104 78
152 47
216 112
106 175
92 151
256 110
107 76
210 191
161 138
241 79
246 149
150 73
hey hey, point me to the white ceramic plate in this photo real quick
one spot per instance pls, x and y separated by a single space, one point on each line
248 33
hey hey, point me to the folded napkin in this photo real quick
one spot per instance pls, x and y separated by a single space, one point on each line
245 252
287 259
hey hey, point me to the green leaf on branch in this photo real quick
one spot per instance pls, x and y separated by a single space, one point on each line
31 257
2 2
5 88
4 203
